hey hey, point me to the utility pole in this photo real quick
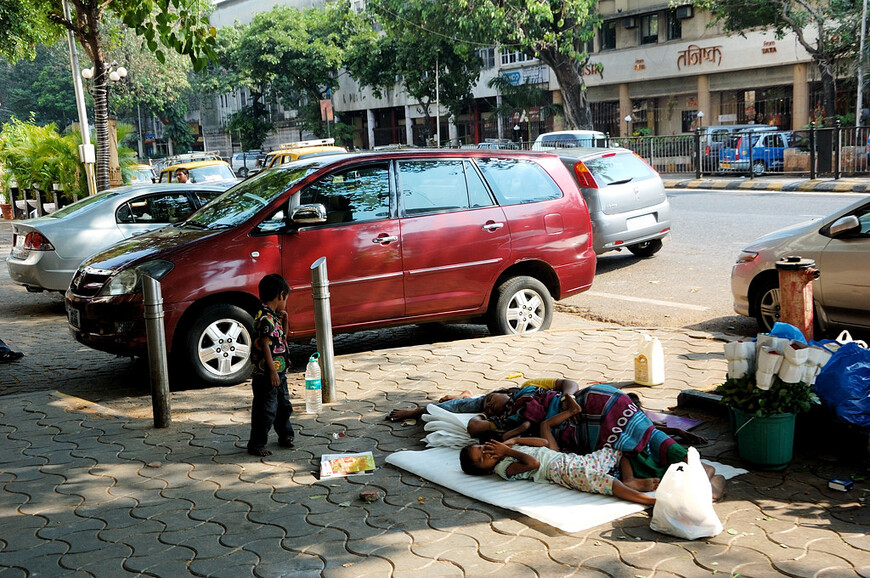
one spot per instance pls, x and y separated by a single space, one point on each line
86 149
858 107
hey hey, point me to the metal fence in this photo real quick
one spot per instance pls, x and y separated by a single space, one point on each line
814 152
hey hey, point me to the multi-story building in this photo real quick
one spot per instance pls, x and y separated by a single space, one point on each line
656 65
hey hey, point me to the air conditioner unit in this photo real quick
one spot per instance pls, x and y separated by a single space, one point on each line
684 12
629 22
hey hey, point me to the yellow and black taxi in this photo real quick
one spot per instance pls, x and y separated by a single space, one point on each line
296 150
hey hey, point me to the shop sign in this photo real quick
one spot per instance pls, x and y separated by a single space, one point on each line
531 75
593 68
769 47
694 55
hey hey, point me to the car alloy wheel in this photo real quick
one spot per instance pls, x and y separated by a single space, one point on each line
523 305
219 345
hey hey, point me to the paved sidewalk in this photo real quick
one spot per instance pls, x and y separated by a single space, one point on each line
94 490
768 183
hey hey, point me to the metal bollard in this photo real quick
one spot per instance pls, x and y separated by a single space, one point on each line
323 328
796 277
159 372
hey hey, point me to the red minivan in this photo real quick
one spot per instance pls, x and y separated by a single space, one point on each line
409 237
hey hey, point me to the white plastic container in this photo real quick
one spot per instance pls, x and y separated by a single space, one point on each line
313 394
649 361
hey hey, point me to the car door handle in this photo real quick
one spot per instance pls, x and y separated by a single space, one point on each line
491 226
385 239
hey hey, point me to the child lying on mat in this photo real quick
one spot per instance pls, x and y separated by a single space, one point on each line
538 459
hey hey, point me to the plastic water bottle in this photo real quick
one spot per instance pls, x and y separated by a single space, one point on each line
313 396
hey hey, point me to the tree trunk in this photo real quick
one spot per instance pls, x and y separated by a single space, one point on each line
101 123
575 101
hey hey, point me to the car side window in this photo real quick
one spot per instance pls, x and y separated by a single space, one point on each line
438 186
168 208
353 195
517 181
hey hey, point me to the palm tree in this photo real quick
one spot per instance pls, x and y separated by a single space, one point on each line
522 98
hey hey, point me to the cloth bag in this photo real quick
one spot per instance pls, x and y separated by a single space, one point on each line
684 502
844 385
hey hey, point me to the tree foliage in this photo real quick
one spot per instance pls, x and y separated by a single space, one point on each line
178 25
407 54
828 31
40 88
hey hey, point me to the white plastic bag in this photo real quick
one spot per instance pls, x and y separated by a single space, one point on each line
684 502
846 337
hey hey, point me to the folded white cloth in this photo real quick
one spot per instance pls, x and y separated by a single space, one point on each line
447 430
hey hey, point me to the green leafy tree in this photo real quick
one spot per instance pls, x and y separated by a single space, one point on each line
522 98
828 31
40 87
177 25
408 54
250 124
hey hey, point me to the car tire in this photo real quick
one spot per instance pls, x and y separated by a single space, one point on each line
243 173
218 345
647 248
758 168
766 304
521 305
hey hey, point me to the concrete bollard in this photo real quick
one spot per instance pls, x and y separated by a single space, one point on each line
796 277
156 335
323 328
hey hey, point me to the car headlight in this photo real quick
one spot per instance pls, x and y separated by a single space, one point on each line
130 280
746 257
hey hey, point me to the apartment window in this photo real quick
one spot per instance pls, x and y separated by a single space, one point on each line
508 57
649 29
487 57
608 35
675 26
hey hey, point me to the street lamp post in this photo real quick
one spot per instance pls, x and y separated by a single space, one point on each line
627 125
115 74
700 118
87 154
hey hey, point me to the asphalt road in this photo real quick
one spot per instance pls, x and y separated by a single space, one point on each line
687 284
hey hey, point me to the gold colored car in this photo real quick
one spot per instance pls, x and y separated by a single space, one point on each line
200 172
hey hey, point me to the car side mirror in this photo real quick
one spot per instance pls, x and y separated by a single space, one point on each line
844 225
309 214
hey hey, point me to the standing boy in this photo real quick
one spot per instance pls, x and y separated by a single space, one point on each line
271 406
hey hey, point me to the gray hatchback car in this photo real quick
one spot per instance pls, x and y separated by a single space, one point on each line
626 198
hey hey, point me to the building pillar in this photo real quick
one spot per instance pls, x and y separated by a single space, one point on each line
704 100
370 120
409 126
624 110
559 119
800 105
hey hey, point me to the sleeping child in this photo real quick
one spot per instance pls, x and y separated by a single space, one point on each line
538 459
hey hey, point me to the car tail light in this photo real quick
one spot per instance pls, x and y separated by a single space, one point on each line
584 177
737 150
747 256
36 241
707 150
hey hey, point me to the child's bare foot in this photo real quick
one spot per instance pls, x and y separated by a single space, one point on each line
262 452
465 394
403 414
643 484
717 482
571 405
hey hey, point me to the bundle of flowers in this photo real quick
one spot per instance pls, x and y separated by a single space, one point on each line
772 375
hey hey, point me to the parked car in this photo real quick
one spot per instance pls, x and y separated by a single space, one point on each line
137 174
244 162
562 139
294 151
178 159
47 251
498 144
626 199
201 172
715 137
409 237
768 151
840 246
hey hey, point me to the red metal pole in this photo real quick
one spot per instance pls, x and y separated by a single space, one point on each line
796 277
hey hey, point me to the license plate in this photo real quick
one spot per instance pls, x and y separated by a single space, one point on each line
640 222
18 250
74 318
725 165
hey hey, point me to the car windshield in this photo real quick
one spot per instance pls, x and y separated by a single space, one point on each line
84 203
246 199
211 173
617 169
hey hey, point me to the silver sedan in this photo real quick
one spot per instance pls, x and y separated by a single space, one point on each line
840 246
48 250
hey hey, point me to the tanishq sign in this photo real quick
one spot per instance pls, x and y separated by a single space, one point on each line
695 55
